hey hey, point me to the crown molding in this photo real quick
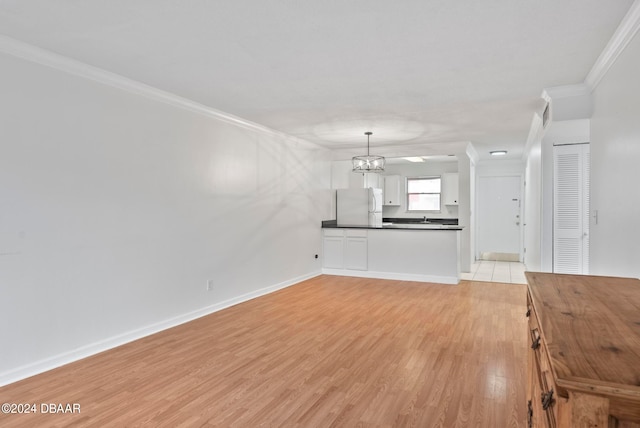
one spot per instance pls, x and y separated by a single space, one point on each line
621 37
62 63
565 91
472 153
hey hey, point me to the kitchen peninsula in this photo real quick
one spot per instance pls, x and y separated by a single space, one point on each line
403 249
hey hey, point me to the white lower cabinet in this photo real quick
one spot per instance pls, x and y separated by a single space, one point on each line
345 249
333 248
399 254
333 252
355 250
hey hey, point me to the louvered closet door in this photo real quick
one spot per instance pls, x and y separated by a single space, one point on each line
571 209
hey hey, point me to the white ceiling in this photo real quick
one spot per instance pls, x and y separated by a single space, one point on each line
425 76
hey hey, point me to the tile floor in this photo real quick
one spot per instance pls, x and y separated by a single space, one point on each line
492 271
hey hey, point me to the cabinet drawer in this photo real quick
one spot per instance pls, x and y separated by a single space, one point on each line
356 233
547 396
535 334
333 232
538 416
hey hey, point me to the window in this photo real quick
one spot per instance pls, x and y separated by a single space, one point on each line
423 193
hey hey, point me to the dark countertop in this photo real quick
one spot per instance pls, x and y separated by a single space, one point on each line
411 220
407 224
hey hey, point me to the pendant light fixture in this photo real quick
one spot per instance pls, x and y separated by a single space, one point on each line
368 163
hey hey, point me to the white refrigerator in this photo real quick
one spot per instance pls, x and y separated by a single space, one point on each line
359 207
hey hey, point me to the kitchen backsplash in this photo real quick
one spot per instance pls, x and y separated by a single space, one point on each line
401 212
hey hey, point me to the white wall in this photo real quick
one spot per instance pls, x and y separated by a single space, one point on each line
464 210
340 174
472 213
615 168
116 209
532 207
495 168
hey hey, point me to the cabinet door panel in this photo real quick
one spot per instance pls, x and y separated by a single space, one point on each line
365 180
355 256
450 188
333 252
392 190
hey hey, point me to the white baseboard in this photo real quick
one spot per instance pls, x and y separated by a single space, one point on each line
55 361
393 275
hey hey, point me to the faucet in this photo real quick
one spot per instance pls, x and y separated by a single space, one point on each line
424 219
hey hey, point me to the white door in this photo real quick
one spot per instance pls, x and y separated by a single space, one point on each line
571 209
498 215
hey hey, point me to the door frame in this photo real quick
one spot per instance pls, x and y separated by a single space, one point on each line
522 202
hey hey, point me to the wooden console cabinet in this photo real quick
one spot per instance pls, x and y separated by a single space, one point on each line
584 356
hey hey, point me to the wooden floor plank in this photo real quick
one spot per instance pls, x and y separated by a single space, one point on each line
328 352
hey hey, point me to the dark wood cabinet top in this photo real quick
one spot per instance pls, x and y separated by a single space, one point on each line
591 328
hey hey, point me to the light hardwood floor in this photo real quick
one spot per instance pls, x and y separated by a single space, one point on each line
328 352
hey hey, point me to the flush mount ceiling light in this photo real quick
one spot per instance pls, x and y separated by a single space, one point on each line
368 163
414 159
498 153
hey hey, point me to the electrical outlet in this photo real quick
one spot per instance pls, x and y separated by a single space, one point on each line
210 285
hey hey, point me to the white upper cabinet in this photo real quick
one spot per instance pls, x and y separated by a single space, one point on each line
392 190
372 180
365 181
450 188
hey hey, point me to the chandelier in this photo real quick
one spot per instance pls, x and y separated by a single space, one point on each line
368 163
